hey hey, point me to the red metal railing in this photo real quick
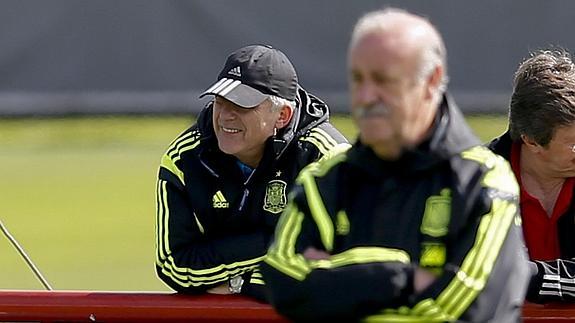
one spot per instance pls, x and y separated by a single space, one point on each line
77 306
548 313
51 306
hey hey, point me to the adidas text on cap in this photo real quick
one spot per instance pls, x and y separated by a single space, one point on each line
252 73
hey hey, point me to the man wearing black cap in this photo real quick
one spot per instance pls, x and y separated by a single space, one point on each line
223 182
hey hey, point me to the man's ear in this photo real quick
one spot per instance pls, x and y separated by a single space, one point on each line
286 113
434 81
531 144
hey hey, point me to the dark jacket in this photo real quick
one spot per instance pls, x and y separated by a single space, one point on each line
212 222
555 279
449 206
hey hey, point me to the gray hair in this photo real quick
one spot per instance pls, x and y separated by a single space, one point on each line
278 103
432 55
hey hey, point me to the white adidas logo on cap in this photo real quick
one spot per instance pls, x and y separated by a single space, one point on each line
236 71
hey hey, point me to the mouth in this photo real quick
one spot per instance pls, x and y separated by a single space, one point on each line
229 130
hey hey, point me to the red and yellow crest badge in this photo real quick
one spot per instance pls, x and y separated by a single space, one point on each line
275 199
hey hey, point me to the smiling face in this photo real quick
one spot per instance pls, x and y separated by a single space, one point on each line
243 132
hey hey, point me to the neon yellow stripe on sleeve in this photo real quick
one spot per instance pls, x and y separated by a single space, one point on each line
188 276
318 211
479 262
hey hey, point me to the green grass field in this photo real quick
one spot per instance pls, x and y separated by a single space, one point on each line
78 194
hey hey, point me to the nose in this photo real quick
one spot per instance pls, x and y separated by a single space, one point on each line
365 94
227 111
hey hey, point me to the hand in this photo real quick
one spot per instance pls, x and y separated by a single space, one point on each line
222 289
312 253
422 279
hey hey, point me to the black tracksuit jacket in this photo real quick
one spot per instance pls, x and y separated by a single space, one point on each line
213 223
449 205
555 279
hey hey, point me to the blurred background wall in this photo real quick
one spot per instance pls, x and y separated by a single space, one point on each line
61 57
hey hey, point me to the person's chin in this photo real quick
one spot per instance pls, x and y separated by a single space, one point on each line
569 174
384 148
386 153
227 146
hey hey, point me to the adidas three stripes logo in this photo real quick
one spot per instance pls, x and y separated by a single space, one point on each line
219 201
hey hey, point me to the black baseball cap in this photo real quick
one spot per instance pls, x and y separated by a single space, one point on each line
252 73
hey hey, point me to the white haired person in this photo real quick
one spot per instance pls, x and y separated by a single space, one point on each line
417 222
222 183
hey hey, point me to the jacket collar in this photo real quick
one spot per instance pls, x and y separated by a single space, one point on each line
502 145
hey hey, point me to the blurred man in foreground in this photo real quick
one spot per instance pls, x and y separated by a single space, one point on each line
540 146
223 182
417 221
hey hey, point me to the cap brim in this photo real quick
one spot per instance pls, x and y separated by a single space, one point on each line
236 92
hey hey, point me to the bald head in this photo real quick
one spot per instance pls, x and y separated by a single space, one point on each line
407 35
